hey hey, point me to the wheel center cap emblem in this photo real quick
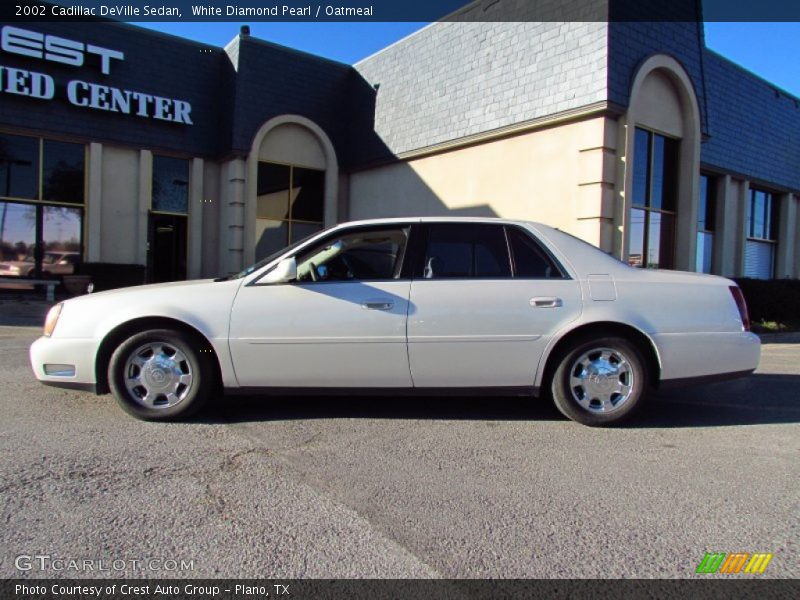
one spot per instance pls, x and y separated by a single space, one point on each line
603 379
157 377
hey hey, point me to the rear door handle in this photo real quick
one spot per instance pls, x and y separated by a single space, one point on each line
377 304
546 302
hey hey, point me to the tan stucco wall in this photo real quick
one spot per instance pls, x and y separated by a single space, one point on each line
553 175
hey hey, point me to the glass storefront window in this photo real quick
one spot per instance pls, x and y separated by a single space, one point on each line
652 230
41 212
170 184
272 195
762 231
63 172
17 239
61 237
271 236
706 209
289 205
19 167
307 195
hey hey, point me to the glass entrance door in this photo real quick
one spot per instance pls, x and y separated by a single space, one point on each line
166 260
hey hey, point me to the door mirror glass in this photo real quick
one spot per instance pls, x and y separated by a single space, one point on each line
284 272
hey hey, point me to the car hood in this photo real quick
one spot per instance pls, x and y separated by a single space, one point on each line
204 304
174 286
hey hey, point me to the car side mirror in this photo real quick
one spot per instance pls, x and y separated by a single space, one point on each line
284 271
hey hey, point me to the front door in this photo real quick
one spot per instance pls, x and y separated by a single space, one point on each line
166 259
485 304
341 324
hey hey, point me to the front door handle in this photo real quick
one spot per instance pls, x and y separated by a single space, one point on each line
378 305
546 302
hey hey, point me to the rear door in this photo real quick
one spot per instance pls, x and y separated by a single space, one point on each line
485 300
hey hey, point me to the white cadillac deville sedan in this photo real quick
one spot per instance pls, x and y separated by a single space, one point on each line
425 306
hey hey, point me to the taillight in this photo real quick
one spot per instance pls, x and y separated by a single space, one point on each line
738 297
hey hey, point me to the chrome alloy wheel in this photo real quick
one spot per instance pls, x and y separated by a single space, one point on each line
601 380
158 375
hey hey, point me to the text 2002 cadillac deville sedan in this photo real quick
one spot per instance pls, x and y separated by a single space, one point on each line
418 305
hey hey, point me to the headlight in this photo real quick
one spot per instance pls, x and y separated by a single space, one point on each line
52 319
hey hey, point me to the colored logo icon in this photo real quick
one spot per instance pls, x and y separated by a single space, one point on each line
738 562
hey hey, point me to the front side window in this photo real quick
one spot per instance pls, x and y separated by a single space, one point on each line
655 199
706 209
762 234
370 254
42 191
466 251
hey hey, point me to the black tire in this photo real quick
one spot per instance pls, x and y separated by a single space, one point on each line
591 404
186 360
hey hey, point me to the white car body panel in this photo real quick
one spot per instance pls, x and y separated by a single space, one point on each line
458 327
321 334
201 304
438 333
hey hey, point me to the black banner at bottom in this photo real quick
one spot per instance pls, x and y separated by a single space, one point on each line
395 589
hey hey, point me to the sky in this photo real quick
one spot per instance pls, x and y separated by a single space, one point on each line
769 50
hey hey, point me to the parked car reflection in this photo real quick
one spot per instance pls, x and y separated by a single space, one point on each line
54 264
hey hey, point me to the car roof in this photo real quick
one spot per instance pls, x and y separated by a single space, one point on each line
391 220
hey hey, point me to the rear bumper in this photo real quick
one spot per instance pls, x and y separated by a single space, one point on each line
668 384
79 354
704 357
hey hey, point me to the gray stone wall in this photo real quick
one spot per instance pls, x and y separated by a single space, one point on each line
452 80
754 127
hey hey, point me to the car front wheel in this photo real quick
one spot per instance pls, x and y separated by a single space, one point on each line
161 375
599 381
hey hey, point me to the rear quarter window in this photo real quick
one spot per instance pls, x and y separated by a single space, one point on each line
530 259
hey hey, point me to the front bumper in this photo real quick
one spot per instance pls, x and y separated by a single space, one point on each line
77 353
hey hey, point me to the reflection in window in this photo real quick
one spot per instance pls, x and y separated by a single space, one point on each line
170 184
19 167
17 239
290 203
652 230
62 175
61 228
41 237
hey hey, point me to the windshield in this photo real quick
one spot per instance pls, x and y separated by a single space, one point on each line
271 257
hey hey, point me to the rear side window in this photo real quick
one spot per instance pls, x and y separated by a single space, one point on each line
466 251
530 259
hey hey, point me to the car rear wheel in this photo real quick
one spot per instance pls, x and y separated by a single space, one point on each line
599 381
160 375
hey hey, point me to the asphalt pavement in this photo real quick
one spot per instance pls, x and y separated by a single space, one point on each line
397 487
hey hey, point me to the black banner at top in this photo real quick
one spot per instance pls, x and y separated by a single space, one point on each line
400 10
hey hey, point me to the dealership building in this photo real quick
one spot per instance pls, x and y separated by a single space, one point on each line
122 145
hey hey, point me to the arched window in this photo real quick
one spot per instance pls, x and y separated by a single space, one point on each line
290 205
